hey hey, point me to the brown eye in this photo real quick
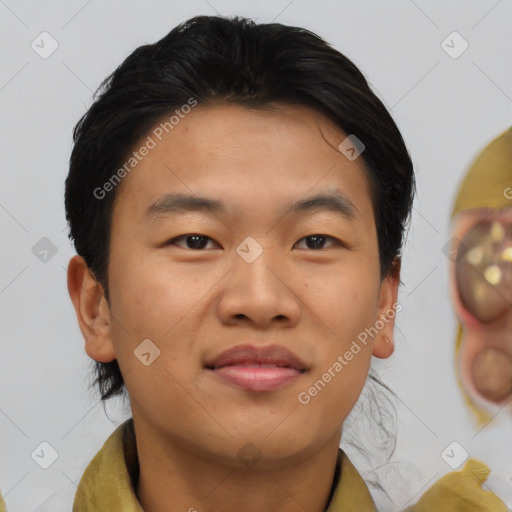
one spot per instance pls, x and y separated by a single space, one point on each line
317 241
483 270
192 241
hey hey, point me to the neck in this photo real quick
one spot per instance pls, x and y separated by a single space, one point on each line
174 478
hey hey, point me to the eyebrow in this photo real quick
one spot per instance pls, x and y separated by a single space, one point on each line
176 203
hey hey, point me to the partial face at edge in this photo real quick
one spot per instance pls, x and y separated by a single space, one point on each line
481 289
313 289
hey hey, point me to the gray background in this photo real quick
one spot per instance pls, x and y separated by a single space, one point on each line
447 110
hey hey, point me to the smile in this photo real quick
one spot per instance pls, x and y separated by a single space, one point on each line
257 377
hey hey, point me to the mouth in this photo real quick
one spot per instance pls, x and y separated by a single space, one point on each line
257 369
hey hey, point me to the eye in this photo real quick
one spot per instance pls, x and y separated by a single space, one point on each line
198 242
317 241
193 241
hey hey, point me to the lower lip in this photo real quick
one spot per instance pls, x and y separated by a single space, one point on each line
257 378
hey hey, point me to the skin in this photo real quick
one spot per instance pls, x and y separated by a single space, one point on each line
195 303
485 361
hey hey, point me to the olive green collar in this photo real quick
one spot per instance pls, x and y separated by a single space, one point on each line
109 480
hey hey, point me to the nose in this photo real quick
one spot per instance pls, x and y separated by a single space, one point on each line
261 293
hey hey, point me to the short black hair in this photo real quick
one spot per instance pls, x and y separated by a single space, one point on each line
212 59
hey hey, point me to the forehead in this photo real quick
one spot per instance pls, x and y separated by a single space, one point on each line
253 159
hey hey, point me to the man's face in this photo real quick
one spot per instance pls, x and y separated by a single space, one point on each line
196 296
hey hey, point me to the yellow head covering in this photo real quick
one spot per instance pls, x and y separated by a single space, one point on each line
487 184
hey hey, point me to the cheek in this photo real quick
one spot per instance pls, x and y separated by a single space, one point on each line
351 301
348 309
151 296
332 391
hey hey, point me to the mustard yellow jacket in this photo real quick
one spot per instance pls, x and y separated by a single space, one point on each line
107 484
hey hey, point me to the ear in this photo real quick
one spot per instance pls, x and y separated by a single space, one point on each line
384 343
91 309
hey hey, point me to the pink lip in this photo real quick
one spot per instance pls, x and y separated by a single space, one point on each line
257 369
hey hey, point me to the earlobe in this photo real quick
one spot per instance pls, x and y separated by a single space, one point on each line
384 344
91 309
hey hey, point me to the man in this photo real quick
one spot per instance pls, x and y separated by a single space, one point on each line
237 197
